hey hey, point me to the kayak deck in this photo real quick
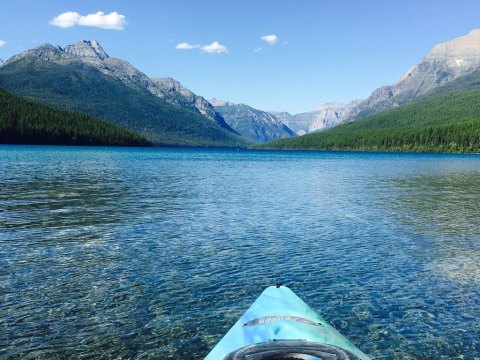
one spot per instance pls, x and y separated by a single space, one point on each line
279 325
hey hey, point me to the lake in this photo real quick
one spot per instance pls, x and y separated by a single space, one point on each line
155 253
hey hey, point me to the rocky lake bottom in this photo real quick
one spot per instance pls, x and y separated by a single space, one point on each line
155 253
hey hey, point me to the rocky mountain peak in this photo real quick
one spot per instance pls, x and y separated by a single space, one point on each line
87 49
2 62
256 125
216 102
46 52
323 117
330 106
170 82
467 46
445 62
171 85
174 92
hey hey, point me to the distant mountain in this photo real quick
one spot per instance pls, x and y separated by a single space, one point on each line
26 122
83 78
256 125
324 117
444 63
1 62
216 102
447 119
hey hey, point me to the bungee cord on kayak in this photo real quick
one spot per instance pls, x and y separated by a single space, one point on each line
279 325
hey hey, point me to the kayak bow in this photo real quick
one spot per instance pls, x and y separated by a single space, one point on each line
279 325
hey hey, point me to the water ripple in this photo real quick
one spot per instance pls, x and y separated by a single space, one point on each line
155 253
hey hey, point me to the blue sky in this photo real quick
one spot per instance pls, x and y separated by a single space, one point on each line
326 50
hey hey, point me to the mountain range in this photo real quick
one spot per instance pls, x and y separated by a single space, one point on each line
446 119
445 62
162 109
433 111
83 78
324 117
256 125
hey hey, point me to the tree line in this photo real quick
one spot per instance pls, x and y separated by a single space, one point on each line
27 122
439 122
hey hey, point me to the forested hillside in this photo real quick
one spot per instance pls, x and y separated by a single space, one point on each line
79 87
447 120
28 122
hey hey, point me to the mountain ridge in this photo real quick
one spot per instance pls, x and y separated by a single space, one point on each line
446 119
256 125
215 102
324 117
445 62
181 96
111 89
92 53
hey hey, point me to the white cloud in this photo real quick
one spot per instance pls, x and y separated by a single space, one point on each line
111 21
270 39
257 49
186 46
68 19
3 43
214 48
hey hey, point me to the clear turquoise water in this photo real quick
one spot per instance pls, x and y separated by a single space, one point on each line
155 253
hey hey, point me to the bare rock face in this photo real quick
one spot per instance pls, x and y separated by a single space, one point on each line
89 50
45 52
256 125
459 52
180 95
92 53
445 62
216 102
327 116
324 117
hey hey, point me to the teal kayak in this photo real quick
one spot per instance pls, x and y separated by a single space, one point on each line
279 325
